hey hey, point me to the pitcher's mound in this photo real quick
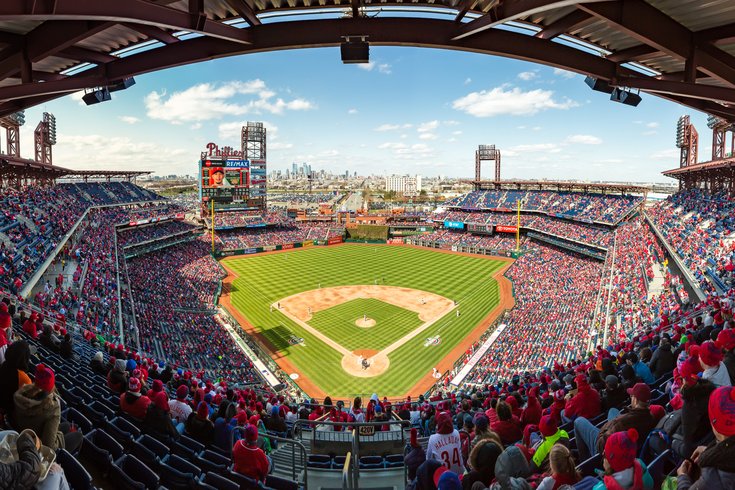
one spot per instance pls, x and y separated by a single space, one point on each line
365 322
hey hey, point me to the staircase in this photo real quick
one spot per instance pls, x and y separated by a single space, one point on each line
283 460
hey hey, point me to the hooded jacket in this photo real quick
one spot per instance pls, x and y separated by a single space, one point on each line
511 470
483 458
663 361
23 474
718 468
425 476
586 403
635 478
40 415
694 416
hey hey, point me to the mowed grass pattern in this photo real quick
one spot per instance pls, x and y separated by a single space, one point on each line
391 323
265 279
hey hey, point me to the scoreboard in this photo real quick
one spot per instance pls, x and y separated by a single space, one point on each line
224 180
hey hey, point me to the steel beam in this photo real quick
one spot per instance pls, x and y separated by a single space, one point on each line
635 53
688 89
644 22
134 11
85 55
508 11
153 32
565 24
246 12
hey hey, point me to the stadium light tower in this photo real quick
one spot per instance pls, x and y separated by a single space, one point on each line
12 124
486 153
45 138
720 128
687 140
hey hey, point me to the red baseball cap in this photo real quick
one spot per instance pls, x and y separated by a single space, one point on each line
640 391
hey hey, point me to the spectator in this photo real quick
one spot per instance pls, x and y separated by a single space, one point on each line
562 469
591 440
726 342
640 368
25 471
482 430
248 458
585 403
5 323
29 326
710 357
508 426
37 407
532 413
622 469
414 455
445 446
614 395
483 458
198 425
716 460
117 378
425 476
66 349
695 393
180 410
132 402
97 364
14 374
158 417
551 436
663 360
511 470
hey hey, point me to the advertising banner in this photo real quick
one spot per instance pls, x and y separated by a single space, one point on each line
287 246
505 229
307 243
456 225
269 248
334 240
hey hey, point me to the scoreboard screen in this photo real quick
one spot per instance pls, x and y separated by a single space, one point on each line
224 180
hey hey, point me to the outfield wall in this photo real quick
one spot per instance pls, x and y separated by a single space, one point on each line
272 248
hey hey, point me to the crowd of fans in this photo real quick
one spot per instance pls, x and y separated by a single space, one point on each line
697 224
590 207
294 232
139 234
447 238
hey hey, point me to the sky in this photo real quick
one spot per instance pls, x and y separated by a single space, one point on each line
411 110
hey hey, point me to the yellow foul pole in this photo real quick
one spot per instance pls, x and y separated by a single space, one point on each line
518 228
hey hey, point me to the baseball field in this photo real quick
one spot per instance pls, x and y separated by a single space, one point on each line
354 319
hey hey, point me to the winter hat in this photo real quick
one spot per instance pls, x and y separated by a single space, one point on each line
640 391
481 422
657 411
98 356
242 419
120 365
44 378
181 392
547 425
621 448
161 401
446 480
157 386
202 410
251 433
612 381
709 354
131 365
134 386
689 369
559 395
581 381
726 339
444 423
722 410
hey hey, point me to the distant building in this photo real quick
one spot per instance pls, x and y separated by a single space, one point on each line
409 185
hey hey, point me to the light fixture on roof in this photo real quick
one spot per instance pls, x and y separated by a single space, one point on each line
355 49
625 96
121 84
598 85
97 95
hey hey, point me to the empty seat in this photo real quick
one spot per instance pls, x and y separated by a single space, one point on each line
74 416
177 473
319 461
129 473
394 460
371 462
122 431
76 475
97 413
245 482
220 482
588 467
277 483
101 449
338 462
212 461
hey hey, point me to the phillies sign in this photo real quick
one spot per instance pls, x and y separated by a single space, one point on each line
226 151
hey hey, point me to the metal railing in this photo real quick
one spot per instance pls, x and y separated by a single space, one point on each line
295 445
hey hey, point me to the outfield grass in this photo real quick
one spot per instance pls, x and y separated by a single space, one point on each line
391 323
265 279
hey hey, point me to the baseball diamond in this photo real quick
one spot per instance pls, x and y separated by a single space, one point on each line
410 294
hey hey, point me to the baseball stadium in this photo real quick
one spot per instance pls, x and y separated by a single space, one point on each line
177 311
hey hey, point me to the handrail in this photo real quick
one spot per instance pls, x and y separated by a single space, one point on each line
294 445
346 474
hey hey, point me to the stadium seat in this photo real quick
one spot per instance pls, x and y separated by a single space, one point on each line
338 462
246 483
277 483
128 473
101 449
76 475
371 462
212 461
661 466
588 467
319 461
394 461
97 413
122 431
177 473
220 482
74 416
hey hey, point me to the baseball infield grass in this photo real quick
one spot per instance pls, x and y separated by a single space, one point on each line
265 279
391 323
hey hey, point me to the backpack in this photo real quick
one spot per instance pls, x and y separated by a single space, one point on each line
670 423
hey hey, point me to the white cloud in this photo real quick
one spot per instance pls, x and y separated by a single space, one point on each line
456 133
527 75
129 119
352 111
196 126
427 126
366 66
509 101
563 73
427 136
668 154
230 131
206 101
384 68
467 81
652 125
392 127
583 139
392 146
279 146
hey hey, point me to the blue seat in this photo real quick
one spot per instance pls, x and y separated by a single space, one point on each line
76 417
394 461
146 456
220 482
278 483
338 462
246 483
212 461
76 475
659 467
177 473
128 473
588 467
195 446
319 461
371 462
101 449
122 431
98 413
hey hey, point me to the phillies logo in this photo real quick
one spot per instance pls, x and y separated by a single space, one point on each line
226 151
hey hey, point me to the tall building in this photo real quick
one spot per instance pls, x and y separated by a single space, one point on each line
409 185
